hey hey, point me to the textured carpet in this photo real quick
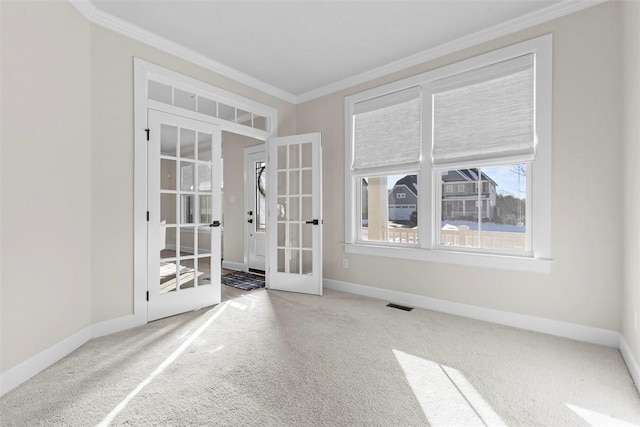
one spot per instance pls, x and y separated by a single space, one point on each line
243 280
271 358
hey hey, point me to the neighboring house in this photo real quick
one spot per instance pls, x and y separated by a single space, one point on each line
460 195
403 201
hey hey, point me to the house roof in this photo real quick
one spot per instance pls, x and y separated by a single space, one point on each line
465 175
409 181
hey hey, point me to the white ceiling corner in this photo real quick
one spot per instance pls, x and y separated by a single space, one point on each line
301 50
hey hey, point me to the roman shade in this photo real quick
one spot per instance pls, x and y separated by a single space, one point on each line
485 114
386 130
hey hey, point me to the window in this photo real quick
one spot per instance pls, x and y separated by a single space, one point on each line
386 156
475 137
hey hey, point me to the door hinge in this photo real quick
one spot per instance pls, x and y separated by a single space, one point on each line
148 131
147 216
147 295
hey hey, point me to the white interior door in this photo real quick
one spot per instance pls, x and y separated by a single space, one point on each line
255 172
184 212
294 194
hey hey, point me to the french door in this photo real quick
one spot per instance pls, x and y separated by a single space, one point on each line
295 214
184 212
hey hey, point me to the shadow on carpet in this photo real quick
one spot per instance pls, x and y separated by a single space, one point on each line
243 280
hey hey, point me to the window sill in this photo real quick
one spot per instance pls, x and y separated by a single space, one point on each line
503 262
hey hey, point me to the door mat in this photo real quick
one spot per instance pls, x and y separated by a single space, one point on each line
243 280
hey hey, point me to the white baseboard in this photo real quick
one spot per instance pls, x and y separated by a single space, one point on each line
538 324
231 265
116 325
36 364
632 364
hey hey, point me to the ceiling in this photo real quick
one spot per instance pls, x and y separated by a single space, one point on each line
304 47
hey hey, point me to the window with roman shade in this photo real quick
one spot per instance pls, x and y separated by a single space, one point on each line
485 114
386 131
469 145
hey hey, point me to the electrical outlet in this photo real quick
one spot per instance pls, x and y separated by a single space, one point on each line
345 263
635 320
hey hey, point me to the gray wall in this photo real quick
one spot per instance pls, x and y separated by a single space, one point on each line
631 199
46 177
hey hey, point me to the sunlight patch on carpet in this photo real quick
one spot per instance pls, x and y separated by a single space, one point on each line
445 395
599 419
177 352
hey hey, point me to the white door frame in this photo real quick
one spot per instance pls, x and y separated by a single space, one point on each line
248 196
144 72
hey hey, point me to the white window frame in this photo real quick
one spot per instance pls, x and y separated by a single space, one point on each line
538 175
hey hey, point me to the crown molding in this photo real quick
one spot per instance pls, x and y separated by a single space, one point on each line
509 27
120 26
106 20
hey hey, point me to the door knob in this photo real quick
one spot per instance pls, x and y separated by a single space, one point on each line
250 221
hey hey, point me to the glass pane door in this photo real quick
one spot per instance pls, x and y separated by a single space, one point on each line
184 212
295 246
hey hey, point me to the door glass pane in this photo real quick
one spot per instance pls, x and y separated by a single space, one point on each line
307 262
282 184
168 208
294 262
307 213
281 234
282 208
294 235
187 241
294 156
307 234
168 140
307 182
168 272
187 144
306 155
204 177
187 176
280 260
261 192
294 182
206 210
186 277
282 157
294 208
187 208
204 271
168 242
167 174
204 147
204 240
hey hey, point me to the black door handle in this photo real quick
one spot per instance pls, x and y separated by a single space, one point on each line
215 224
250 221
314 222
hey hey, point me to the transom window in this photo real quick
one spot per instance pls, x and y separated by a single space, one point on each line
475 138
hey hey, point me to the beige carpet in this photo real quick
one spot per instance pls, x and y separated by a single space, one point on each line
270 358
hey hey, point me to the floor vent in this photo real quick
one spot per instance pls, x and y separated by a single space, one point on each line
399 307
